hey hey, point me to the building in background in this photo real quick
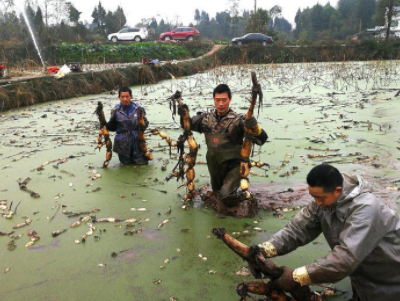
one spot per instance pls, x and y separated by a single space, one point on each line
379 32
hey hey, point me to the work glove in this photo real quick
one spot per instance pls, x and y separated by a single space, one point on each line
250 123
286 281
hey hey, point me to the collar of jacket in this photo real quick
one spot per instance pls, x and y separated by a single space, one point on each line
218 118
352 187
128 109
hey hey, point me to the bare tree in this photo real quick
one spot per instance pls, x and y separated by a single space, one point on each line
47 13
233 14
7 5
61 11
389 19
55 11
275 12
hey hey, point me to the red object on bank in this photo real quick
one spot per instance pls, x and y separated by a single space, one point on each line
2 69
216 140
53 69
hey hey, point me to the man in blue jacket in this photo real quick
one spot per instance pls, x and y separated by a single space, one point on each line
124 121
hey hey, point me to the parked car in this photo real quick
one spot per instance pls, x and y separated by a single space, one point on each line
253 38
180 33
129 34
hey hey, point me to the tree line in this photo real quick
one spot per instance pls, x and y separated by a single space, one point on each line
56 21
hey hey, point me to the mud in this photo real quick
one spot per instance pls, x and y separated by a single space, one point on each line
245 208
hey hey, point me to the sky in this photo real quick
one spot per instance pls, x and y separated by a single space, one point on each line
135 11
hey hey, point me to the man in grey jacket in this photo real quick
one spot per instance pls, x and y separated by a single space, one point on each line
363 233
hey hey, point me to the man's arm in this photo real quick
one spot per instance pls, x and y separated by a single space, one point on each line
363 231
112 123
302 229
197 122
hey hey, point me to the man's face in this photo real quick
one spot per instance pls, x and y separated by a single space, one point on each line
125 98
322 198
221 102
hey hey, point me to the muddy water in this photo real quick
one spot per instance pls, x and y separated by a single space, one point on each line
329 104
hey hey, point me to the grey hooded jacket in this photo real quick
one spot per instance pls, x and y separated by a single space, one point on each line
364 235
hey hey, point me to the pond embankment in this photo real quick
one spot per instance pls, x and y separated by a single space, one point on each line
32 91
25 92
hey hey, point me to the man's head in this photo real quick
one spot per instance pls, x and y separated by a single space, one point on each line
222 97
325 184
125 95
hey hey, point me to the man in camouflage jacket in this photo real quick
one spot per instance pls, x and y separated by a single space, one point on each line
224 132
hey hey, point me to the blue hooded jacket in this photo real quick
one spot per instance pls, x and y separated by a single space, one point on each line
124 120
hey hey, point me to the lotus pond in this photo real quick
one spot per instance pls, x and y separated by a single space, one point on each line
342 113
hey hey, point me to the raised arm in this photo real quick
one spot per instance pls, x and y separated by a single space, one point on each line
112 123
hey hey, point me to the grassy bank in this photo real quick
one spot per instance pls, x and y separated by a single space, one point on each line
119 53
279 53
25 55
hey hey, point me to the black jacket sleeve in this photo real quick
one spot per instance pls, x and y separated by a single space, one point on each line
197 122
112 123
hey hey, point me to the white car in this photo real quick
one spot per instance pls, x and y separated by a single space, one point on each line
129 34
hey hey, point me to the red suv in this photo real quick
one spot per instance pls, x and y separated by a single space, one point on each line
180 33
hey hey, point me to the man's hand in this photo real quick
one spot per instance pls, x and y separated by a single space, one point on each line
286 282
182 109
255 251
250 123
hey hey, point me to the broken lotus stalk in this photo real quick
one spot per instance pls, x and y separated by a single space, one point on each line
103 134
22 185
